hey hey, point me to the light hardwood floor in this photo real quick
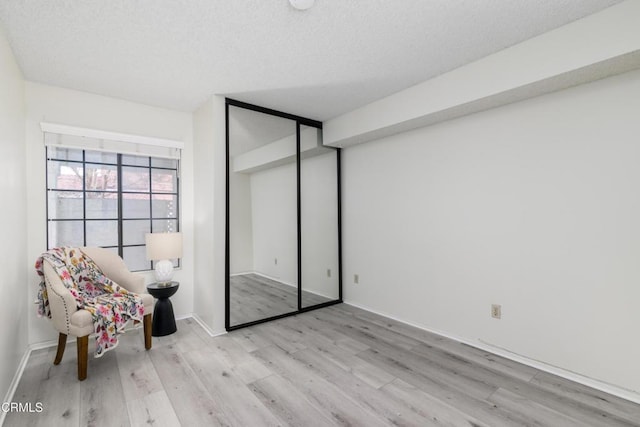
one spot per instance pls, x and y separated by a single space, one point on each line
254 297
333 366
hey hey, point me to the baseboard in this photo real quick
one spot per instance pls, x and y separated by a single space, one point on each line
320 295
49 343
129 327
206 327
266 276
15 381
604 386
242 273
71 339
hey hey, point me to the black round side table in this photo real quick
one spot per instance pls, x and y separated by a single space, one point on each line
164 322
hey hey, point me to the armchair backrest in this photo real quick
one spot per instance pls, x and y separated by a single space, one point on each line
115 269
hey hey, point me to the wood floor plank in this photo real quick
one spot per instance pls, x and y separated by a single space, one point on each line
321 393
253 297
28 390
478 356
341 320
335 366
478 408
619 407
190 399
185 335
239 361
391 411
42 382
186 338
433 409
286 402
465 375
101 393
251 371
427 367
240 406
311 326
61 377
366 372
587 414
249 339
273 333
533 412
137 374
36 370
195 327
154 409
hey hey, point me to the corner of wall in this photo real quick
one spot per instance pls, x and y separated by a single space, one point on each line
209 215
13 335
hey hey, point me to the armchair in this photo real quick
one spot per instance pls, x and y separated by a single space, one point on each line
69 320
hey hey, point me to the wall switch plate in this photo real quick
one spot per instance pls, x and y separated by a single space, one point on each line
328 272
275 261
356 279
496 311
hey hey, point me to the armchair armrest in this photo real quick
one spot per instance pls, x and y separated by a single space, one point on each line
61 303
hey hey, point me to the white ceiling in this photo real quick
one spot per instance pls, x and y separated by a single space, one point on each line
319 63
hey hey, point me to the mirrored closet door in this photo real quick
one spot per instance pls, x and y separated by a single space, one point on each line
319 219
282 225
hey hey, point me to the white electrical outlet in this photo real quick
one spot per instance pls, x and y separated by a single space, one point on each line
356 279
496 311
328 272
275 261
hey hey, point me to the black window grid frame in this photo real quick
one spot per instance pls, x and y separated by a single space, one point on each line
119 192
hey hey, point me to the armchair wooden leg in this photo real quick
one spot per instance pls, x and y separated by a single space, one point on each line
147 331
83 353
62 342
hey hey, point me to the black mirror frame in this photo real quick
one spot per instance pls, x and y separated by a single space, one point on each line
299 121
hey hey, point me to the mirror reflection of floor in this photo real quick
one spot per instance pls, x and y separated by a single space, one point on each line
254 297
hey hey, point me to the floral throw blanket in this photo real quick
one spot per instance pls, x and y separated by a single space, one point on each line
110 305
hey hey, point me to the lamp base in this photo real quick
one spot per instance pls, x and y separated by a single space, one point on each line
164 271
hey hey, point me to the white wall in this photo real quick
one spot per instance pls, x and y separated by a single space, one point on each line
13 253
240 223
274 223
64 106
209 214
533 205
319 217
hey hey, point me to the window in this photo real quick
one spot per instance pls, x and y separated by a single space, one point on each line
110 200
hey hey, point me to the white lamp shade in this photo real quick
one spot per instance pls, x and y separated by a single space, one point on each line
161 246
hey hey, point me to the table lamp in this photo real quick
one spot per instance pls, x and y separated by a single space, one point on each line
162 248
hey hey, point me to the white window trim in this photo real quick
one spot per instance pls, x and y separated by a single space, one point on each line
99 140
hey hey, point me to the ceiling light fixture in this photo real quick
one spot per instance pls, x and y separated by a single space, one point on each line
302 4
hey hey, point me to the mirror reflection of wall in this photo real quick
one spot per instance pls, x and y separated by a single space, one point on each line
262 216
319 217
263 235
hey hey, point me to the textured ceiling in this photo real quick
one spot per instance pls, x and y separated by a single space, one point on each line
319 63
